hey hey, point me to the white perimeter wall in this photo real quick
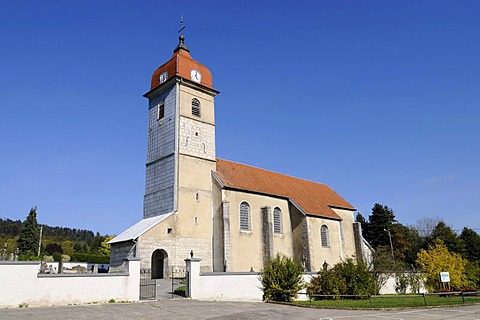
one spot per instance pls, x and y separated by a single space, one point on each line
240 286
20 283
229 287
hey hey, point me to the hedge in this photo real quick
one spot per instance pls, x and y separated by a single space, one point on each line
89 257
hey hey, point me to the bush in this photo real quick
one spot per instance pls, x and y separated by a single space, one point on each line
345 278
281 279
328 282
57 256
401 282
28 256
88 257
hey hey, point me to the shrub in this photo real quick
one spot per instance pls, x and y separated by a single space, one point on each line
327 282
281 279
345 278
88 257
401 282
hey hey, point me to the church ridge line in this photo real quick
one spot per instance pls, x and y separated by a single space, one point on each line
275 172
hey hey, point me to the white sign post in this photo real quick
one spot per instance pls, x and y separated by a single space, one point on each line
445 277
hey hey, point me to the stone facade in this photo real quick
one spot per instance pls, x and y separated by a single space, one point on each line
160 166
198 214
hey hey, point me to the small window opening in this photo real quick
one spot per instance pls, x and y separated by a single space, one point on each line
169 230
196 220
160 111
195 107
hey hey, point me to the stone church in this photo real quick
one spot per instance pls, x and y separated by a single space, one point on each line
232 216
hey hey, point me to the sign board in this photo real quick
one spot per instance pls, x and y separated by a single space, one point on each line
444 276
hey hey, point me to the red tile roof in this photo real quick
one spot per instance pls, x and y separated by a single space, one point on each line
314 198
180 65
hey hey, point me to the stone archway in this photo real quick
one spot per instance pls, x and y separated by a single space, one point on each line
159 264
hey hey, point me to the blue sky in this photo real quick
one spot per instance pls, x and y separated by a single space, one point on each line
377 99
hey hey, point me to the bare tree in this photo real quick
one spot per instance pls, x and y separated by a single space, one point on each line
426 225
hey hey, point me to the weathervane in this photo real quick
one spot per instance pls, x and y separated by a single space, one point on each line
182 26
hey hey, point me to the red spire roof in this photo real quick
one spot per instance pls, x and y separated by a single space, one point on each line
181 64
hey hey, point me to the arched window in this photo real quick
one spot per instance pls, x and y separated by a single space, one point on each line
195 107
244 216
277 220
324 236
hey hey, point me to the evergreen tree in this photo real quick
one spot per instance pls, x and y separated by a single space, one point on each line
30 234
406 243
360 218
471 241
380 222
448 237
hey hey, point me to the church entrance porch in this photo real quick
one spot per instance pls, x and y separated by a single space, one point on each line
159 264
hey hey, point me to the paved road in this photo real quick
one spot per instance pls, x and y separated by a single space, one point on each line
192 309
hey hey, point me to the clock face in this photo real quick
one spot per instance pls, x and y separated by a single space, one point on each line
163 76
196 75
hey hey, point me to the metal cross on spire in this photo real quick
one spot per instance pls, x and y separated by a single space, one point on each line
181 38
182 26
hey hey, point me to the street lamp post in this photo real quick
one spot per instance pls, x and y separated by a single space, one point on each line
391 245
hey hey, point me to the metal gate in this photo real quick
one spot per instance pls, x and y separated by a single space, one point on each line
148 286
178 282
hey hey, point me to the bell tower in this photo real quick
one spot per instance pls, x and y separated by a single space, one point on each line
181 150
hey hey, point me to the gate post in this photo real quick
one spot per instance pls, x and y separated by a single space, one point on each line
133 269
192 277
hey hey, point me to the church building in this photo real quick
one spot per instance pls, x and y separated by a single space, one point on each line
232 216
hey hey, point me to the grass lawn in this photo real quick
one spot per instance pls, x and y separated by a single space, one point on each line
391 301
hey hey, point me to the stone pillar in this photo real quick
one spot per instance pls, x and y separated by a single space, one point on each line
267 234
306 256
357 235
133 267
226 236
192 278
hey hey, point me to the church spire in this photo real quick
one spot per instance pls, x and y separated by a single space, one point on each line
181 38
181 44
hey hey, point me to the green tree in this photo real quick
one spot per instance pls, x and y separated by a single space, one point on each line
95 243
406 243
281 279
382 266
472 272
439 259
105 246
29 235
471 241
364 223
448 237
381 220
52 248
68 247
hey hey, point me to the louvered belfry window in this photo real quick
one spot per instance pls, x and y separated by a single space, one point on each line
195 107
324 236
160 110
244 216
277 220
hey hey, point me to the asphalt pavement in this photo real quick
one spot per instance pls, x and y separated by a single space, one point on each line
181 308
